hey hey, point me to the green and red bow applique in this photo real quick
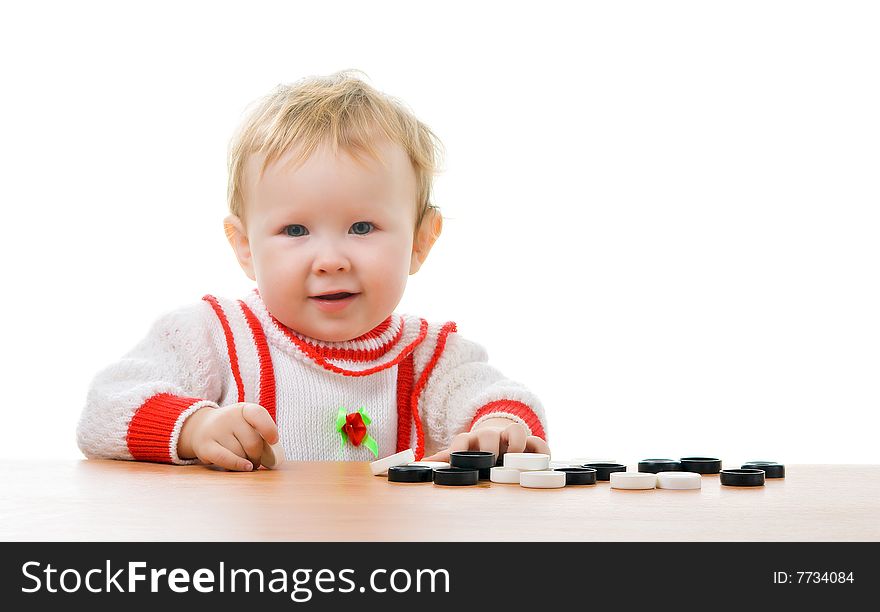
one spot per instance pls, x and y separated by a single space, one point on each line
352 427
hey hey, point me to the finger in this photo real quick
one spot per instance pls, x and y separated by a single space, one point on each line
460 442
515 437
441 456
251 442
225 458
231 443
260 419
488 440
534 444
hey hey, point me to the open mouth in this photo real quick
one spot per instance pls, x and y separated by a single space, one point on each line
334 296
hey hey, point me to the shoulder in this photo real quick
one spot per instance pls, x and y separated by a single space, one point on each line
218 307
443 345
183 331
187 318
230 316
202 320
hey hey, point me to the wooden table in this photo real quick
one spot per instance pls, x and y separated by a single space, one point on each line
129 501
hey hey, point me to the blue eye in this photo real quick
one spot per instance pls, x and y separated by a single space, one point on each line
362 227
297 230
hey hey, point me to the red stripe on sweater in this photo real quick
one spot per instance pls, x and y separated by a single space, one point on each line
404 396
515 408
230 343
267 371
149 432
423 380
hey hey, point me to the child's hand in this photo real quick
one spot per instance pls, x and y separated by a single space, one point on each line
499 436
230 437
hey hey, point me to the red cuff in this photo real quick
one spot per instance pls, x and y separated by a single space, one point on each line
149 433
515 408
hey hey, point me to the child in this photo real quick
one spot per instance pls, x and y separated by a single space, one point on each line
330 202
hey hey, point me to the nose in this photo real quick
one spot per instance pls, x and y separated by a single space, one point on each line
330 259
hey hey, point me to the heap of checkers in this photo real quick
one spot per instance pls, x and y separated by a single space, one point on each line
536 471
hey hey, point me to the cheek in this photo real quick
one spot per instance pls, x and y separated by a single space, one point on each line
278 267
388 259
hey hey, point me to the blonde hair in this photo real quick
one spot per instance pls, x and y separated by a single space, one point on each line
339 108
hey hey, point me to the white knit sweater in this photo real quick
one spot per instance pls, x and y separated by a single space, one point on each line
420 383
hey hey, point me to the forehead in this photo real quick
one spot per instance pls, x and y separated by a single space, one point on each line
326 178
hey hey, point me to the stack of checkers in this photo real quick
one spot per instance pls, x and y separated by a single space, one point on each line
533 471
416 471
536 471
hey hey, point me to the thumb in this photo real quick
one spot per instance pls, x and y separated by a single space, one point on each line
259 418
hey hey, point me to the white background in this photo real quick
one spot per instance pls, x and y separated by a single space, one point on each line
661 216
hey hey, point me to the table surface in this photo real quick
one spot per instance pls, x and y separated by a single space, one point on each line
329 501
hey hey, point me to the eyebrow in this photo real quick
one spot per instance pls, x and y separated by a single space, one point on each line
280 214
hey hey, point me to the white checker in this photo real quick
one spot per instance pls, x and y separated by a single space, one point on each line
527 461
563 464
272 456
542 479
633 480
505 475
679 480
434 465
380 466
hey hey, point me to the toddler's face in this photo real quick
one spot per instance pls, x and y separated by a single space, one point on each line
332 224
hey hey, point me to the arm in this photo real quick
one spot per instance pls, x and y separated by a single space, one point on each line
136 407
468 404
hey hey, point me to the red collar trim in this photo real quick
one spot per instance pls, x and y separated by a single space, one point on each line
344 350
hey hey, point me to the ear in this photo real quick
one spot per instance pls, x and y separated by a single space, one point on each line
237 236
432 225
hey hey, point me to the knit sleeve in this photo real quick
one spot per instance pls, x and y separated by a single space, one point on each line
463 390
136 406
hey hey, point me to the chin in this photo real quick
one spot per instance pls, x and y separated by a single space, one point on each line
338 336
